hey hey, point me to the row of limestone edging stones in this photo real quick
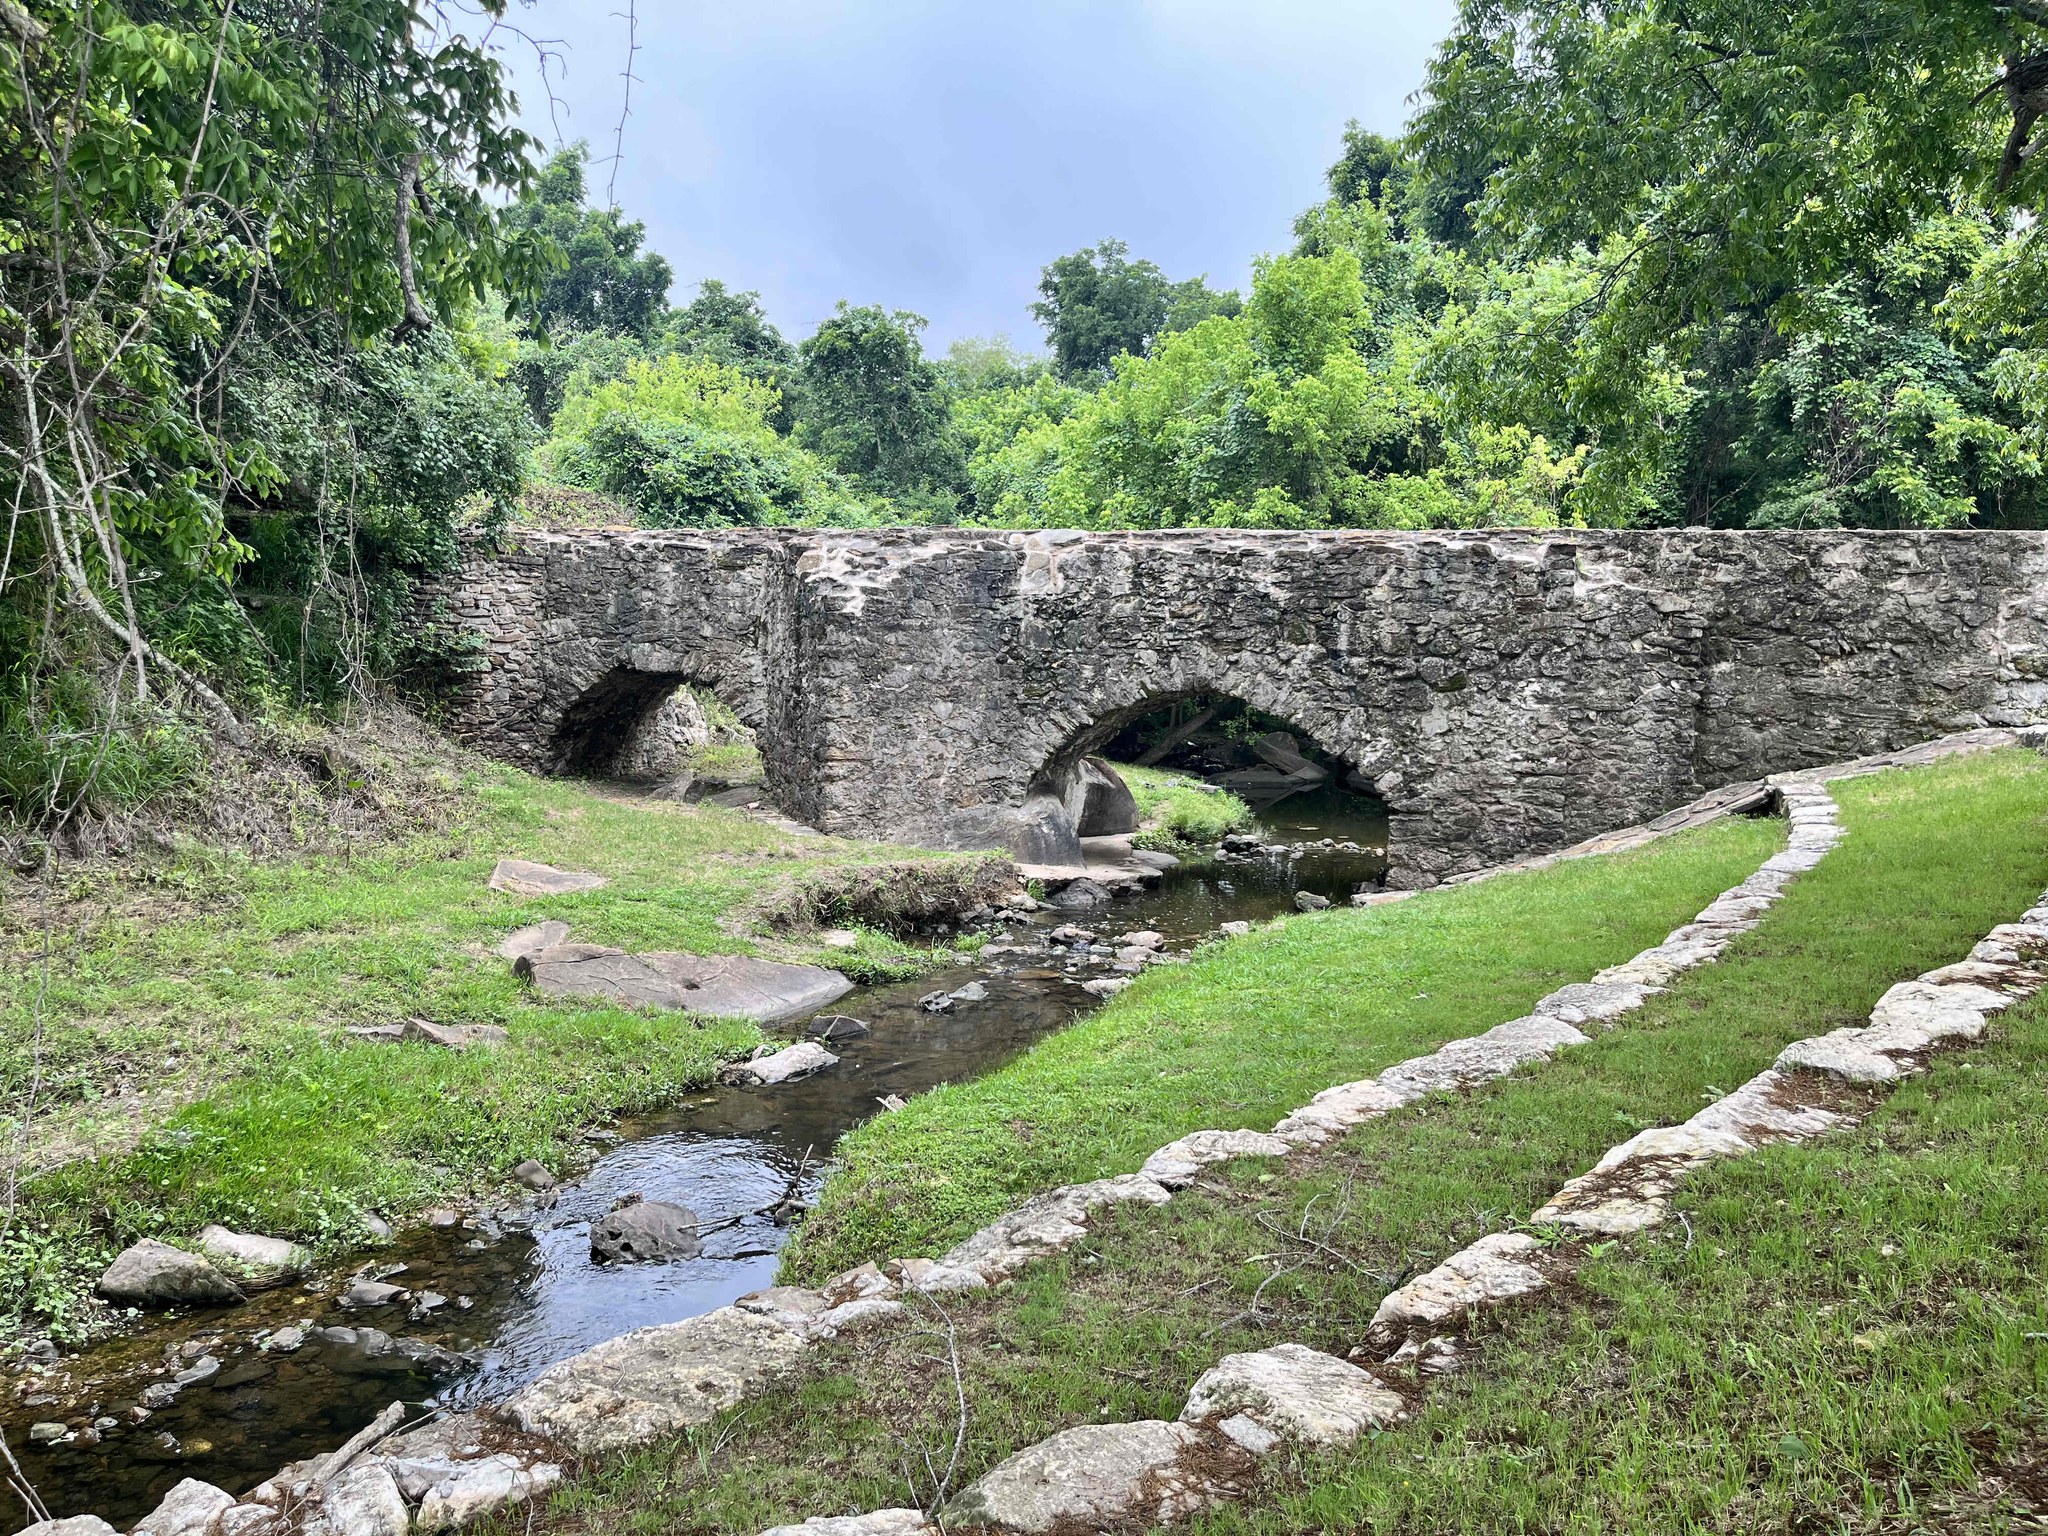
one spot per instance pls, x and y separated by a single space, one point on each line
661 1379
1250 1404
657 1380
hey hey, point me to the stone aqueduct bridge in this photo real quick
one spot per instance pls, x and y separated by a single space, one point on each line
1505 691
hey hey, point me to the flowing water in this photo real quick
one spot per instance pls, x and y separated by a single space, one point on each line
518 1286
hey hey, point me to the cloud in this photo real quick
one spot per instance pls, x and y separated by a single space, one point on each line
934 154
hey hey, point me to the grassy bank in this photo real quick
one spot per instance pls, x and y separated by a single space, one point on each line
1174 814
1846 1338
194 1065
1251 1030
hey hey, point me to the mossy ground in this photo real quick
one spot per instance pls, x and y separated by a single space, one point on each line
1174 814
183 1040
1847 1336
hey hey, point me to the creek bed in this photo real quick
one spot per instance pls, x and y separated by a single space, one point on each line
521 1289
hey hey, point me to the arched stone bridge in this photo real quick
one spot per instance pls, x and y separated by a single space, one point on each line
1506 691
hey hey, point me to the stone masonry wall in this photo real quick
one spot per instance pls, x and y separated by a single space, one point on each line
1506 691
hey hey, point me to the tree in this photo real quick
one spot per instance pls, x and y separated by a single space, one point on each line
733 328
1720 154
177 179
689 442
605 281
1097 304
875 405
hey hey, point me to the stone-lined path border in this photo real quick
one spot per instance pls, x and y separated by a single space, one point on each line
659 1380
1249 1405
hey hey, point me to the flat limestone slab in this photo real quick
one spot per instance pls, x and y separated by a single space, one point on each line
521 877
766 991
654 1381
1297 1392
1091 1476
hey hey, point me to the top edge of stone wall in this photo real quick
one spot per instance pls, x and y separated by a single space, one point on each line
1214 537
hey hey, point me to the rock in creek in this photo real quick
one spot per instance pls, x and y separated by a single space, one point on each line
639 1231
371 1293
519 877
533 1175
363 1500
154 1274
1309 901
1098 801
189 1509
837 1026
1079 894
792 1061
255 1263
77 1525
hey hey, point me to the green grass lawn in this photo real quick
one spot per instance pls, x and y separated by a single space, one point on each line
1849 1336
1174 815
194 1063
1251 1030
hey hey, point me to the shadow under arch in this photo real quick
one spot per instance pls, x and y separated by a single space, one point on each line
1215 734
637 724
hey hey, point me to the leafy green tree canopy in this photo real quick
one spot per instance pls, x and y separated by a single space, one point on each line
605 282
1097 304
875 405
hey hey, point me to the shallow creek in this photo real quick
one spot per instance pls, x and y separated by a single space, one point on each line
516 1288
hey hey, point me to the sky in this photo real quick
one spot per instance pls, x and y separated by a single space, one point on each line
933 155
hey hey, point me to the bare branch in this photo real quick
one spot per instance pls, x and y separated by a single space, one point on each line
416 317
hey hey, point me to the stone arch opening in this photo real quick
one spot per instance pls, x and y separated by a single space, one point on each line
1212 738
647 726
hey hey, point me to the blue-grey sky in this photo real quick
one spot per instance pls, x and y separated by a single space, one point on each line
934 154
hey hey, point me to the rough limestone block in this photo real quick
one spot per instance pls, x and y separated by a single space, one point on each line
470 1490
363 1500
1480 1058
1299 1393
2013 944
1336 1110
2011 982
787 1306
187 1510
932 1277
1091 1476
1845 1054
1590 1001
1494 1269
1766 1108
1177 1164
1734 911
883 1522
1046 1224
785 1065
1687 1143
867 1309
654 1381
